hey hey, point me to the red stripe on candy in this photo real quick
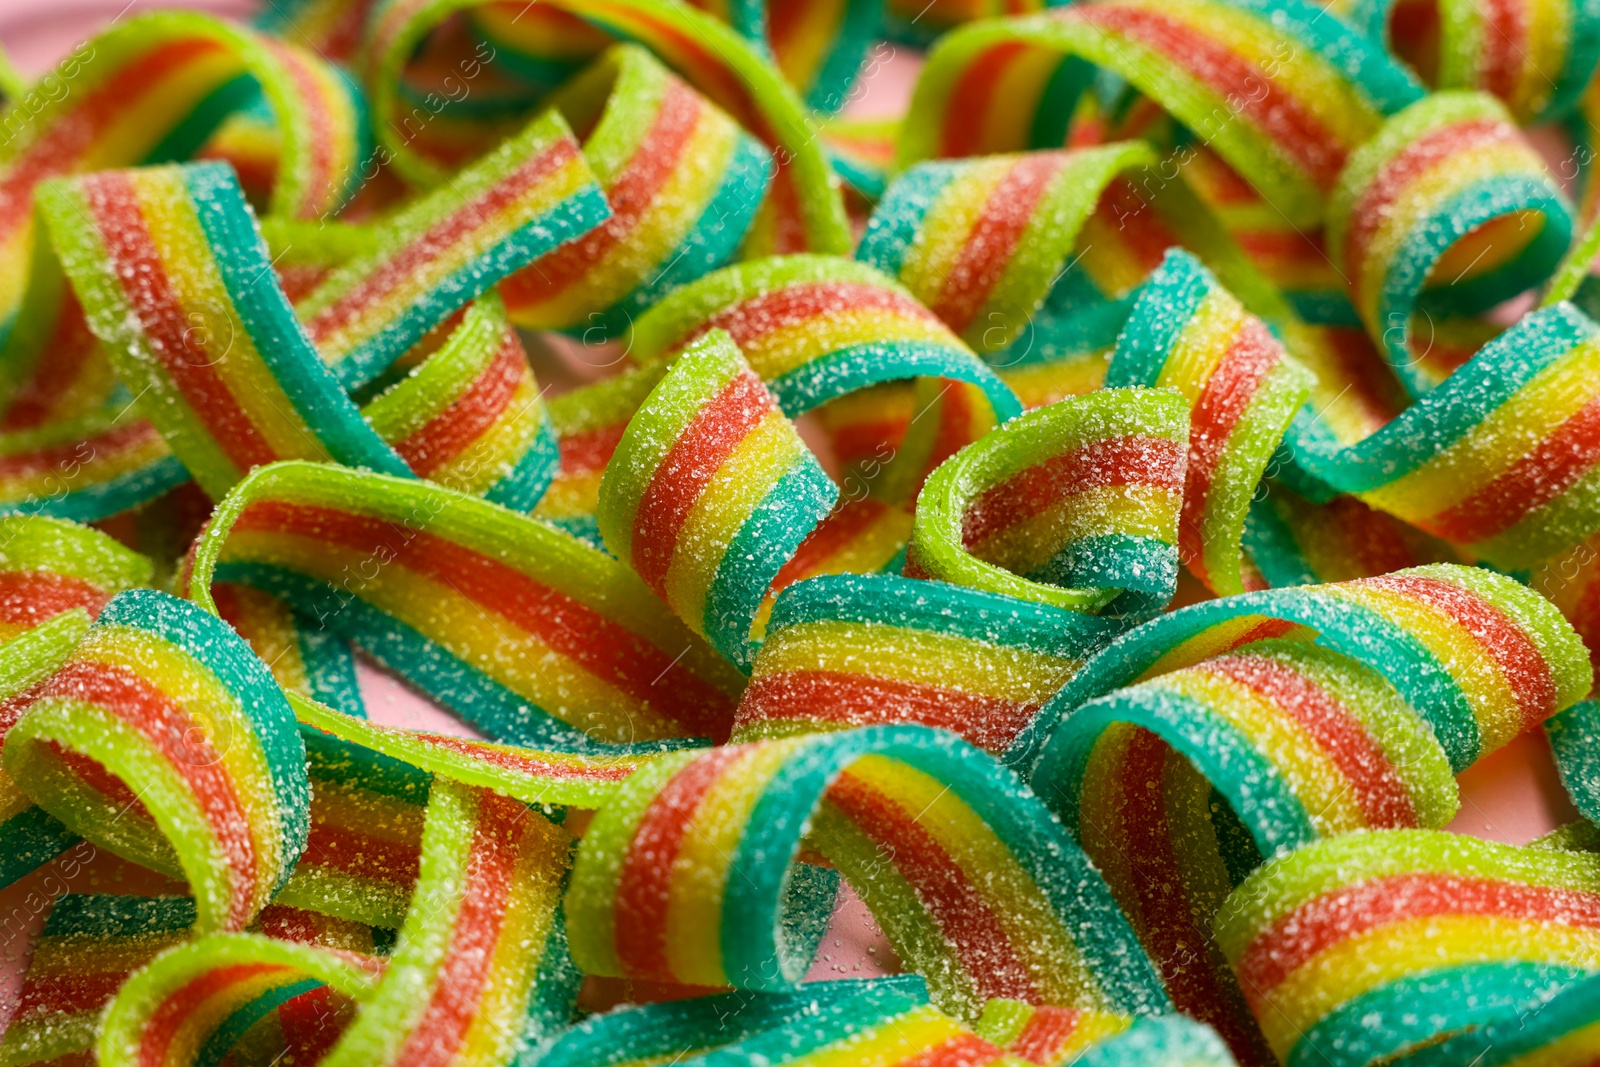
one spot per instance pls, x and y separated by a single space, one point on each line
1349 911
954 903
644 886
688 467
982 259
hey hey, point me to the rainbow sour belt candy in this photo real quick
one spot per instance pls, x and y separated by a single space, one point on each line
530 634
1367 947
165 740
981 893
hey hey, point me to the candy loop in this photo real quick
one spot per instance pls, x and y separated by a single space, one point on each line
1537 58
1186 332
165 740
1282 93
1422 219
1072 505
710 492
441 587
787 315
479 969
1466 462
1021 216
975 885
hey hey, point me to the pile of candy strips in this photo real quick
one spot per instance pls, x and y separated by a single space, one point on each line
1091 521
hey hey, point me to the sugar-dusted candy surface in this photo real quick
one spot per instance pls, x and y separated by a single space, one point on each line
1080 530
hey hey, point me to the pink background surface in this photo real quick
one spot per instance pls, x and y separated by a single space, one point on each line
1512 796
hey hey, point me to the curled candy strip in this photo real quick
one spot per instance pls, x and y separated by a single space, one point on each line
1448 203
54 578
162 712
478 971
1188 333
710 491
441 587
1535 57
802 211
973 882
981 242
1498 459
91 943
1280 92
1298 741
1072 505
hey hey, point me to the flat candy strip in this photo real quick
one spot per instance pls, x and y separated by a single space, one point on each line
165 740
1071 505
441 587
709 493
972 882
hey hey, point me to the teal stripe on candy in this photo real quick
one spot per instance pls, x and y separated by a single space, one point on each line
1575 741
940 607
898 218
330 668
1175 1040
788 512
1114 561
1416 1009
241 258
214 646
240 93
668 1029
1043 848
527 481
104 499
224 1037
846 370
30 839
1259 796
1448 223
1163 309
118 915
570 219
856 32
1370 70
1052 118
335 760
